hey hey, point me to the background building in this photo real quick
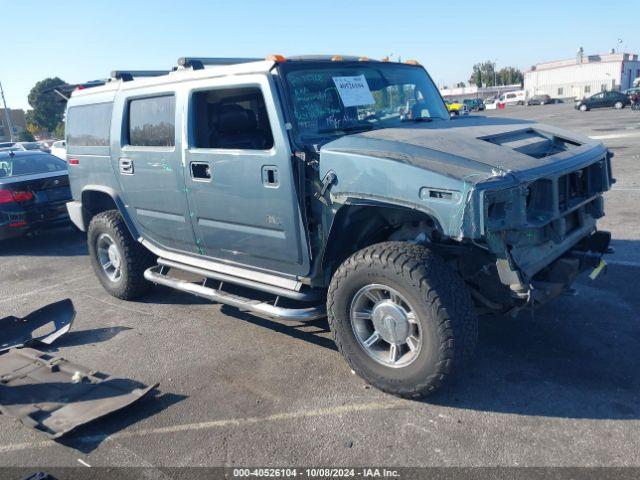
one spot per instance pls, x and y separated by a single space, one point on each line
583 75
472 91
18 123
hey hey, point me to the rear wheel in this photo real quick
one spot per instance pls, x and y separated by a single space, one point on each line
618 105
401 317
117 259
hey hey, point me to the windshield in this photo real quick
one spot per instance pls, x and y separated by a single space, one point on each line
11 166
330 99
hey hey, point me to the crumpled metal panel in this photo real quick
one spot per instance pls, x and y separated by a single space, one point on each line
55 396
17 332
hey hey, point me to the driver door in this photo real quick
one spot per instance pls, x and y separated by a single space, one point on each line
239 176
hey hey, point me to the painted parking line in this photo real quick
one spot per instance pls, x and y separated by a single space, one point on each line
623 263
614 136
215 424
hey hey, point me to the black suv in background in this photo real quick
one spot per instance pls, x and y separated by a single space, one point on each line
603 99
539 100
474 104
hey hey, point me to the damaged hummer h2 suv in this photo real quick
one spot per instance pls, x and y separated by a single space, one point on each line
302 187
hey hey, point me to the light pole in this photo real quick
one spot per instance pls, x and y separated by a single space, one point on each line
7 114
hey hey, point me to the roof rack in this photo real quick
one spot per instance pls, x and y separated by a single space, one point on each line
128 75
198 63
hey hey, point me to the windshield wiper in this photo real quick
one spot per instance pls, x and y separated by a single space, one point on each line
353 128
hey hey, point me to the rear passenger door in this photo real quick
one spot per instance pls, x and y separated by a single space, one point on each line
147 161
239 176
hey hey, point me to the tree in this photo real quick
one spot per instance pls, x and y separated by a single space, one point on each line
47 110
25 136
460 85
483 74
510 76
60 131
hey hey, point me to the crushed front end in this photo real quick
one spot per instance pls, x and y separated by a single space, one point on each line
542 231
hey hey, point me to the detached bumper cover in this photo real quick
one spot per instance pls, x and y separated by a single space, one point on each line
17 332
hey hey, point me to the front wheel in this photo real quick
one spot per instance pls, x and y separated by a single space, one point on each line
618 105
583 108
401 317
118 260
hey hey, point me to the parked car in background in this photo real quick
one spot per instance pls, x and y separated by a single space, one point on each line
513 98
603 99
539 100
456 108
631 91
59 149
34 190
11 147
35 146
474 104
491 103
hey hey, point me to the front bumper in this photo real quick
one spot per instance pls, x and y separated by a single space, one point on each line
559 275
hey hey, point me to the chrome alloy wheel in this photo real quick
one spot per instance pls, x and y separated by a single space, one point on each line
109 257
386 326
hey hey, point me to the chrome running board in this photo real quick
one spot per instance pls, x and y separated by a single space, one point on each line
157 275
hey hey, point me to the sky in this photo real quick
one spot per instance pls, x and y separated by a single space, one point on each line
80 41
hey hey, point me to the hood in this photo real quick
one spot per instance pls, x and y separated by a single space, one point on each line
469 147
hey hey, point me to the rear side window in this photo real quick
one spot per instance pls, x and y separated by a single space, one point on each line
152 121
88 125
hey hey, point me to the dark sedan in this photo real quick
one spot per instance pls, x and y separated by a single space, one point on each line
539 100
34 190
602 100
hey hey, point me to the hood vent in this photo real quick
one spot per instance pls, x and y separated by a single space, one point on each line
532 142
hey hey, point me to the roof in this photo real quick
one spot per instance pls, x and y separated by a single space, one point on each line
222 67
586 59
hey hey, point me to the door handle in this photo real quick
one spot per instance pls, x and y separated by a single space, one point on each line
200 171
126 166
270 176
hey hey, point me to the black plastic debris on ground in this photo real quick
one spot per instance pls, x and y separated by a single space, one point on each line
44 325
55 396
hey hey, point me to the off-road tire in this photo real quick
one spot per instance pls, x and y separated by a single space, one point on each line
135 259
438 295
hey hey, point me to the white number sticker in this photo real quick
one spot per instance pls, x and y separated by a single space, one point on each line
354 91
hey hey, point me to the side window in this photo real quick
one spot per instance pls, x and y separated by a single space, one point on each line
88 125
232 118
152 122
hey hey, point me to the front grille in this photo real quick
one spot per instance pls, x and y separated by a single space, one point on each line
549 198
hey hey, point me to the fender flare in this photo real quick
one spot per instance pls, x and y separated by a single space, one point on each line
117 200
352 201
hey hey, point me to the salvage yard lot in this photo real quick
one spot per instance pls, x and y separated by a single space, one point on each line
557 388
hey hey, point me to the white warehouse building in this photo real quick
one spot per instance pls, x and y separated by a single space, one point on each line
583 75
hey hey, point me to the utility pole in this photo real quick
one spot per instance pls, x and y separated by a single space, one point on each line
7 114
